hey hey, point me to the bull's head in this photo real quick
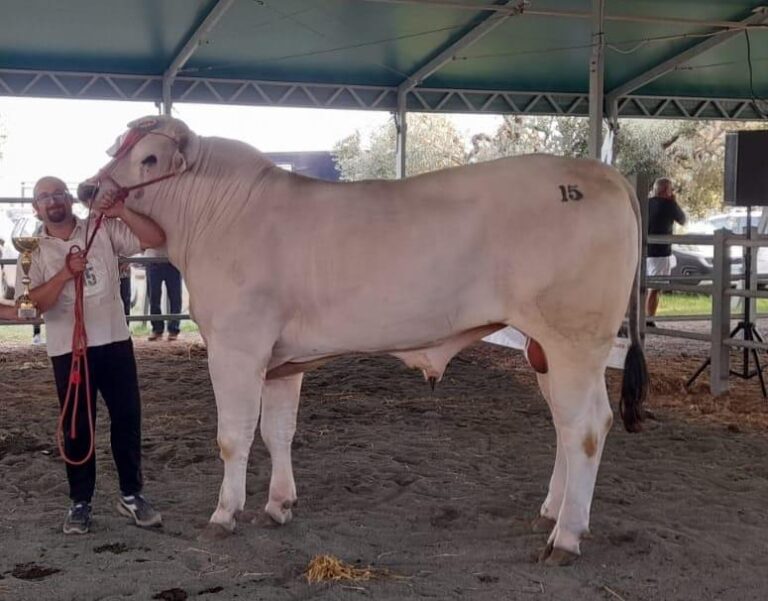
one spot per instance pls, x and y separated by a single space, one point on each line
153 147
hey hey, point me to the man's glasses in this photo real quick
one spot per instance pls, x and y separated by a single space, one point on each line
47 199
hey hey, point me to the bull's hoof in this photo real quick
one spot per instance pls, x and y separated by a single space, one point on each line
554 556
280 513
543 524
215 532
247 517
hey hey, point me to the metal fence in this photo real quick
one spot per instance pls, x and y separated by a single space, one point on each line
722 290
21 201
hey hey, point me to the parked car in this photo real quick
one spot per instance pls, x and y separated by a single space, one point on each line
693 260
696 258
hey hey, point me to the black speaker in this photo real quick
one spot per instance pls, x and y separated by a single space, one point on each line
746 168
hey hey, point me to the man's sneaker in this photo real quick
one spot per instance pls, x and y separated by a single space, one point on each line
37 340
139 510
172 336
155 336
78 520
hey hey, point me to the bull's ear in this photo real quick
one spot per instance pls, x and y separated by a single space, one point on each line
179 162
181 133
145 123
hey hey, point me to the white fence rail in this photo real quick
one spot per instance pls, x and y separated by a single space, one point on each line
720 337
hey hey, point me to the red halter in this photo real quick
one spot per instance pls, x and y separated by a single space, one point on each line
129 140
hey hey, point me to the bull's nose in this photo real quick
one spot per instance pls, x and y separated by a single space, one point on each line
87 191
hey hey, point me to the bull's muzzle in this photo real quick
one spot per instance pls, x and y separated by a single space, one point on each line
87 191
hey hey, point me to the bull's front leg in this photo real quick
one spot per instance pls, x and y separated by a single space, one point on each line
237 375
279 406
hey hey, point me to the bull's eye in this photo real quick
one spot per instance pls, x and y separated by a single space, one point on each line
150 161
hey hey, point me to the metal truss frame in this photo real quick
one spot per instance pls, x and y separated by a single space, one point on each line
103 86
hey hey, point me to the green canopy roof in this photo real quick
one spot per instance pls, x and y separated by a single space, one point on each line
357 53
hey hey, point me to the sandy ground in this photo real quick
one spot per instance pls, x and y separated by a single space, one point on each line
436 490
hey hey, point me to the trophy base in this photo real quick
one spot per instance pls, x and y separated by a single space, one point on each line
27 313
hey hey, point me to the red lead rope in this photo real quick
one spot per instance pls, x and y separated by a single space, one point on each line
79 368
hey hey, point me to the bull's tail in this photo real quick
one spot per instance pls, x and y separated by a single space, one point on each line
634 385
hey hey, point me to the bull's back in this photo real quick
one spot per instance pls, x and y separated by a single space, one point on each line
455 248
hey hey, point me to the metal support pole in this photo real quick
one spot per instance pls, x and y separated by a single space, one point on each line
641 189
752 250
721 317
596 72
608 150
167 97
197 38
401 127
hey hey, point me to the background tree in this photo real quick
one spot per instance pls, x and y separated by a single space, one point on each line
433 142
689 152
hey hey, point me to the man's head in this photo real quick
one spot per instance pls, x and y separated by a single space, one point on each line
663 188
51 200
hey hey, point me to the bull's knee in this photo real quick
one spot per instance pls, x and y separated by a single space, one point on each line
232 448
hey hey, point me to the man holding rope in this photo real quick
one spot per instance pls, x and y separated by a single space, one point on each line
109 360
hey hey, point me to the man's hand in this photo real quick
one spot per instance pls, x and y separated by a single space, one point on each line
8 312
76 264
109 206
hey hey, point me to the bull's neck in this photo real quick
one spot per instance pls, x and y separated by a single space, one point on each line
196 207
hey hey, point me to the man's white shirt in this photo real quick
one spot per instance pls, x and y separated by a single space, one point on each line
104 317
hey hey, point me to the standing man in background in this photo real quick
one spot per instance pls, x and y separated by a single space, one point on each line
663 213
157 273
125 288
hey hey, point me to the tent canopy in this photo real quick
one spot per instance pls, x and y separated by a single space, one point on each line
667 58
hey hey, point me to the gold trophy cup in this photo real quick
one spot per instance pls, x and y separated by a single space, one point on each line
25 239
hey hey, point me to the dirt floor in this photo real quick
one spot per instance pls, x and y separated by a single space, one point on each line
434 491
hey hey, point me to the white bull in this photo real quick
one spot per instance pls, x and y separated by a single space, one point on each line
285 272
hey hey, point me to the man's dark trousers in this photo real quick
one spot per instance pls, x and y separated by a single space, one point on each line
112 370
157 273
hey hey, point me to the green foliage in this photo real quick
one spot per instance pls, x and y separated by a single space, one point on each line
432 143
689 152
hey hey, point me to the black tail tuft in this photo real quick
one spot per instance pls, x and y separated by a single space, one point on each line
634 388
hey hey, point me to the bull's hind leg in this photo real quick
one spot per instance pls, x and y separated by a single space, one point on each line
550 508
279 405
582 416
547 517
237 382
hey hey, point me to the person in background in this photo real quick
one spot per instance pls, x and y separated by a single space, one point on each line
157 274
663 213
125 287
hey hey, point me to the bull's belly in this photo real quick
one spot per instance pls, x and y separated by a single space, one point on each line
346 338
431 355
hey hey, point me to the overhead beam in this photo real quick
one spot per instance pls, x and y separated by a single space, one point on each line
759 16
192 44
490 22
28 83
450 4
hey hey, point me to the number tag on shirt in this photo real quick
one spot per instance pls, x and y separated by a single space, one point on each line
95 276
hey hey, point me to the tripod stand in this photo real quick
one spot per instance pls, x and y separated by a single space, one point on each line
746 327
